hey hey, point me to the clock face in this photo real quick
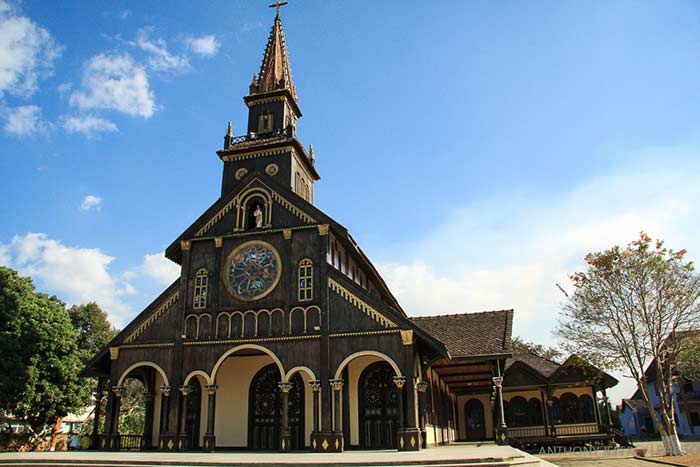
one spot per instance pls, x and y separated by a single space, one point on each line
252 270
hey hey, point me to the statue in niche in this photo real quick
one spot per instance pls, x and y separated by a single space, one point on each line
258 214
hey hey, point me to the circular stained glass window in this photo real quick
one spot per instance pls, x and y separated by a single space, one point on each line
252 270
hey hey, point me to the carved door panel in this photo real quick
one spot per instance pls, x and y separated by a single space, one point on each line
193 414
265 411
379 407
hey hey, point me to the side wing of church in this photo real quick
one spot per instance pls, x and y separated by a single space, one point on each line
280 334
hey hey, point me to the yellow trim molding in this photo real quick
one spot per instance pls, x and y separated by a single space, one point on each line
360 304
169 302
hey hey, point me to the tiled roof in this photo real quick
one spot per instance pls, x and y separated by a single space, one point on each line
541 365
470 334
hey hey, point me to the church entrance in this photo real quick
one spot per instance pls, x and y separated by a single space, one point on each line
379 407
474 419
265 411
193 414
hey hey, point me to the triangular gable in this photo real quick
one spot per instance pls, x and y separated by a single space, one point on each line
379 312
142 322
282 195
575 369
520 373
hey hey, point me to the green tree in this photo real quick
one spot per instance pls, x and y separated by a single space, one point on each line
689 361
550 353
39 357
93 331
625 312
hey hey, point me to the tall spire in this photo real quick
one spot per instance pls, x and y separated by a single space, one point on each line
275 73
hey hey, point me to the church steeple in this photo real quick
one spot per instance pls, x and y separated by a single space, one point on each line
270 144
275 73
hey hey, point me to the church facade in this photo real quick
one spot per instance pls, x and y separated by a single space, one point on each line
280 334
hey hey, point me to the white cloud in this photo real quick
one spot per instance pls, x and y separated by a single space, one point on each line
4 249
160 268
91 202
207 45
88 125
115 82
160 59
77 275
124 14
25 120
27 53
510 250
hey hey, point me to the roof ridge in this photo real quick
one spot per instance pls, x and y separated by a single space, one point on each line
469 313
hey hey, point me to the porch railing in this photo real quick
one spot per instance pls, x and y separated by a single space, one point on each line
526 432
130 442
560 430
578 429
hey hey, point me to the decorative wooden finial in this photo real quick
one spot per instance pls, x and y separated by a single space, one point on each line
312 156
229 130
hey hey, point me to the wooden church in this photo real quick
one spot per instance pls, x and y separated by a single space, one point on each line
280 334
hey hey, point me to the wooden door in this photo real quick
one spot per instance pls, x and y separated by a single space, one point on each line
379 407
474 420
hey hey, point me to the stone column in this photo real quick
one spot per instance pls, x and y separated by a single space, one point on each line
315 388
502 430
164 413
333 441
422 387
183 436
285 435
209 437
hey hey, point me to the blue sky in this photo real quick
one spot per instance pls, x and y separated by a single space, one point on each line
476 150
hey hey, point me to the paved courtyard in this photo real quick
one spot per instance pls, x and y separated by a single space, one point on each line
453 455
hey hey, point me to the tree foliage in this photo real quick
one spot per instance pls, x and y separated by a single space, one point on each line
550 353
689 361
39 357
625 311
93 331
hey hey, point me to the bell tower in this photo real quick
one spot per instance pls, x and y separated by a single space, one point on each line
270 144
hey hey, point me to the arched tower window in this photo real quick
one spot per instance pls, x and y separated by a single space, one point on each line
306 280
201 280
265 123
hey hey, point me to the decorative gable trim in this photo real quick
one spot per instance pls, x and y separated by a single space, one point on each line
293 209
153 317
235 202
361 305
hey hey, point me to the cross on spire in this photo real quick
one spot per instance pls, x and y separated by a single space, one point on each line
277 5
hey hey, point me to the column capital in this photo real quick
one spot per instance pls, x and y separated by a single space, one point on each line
399 381
218 241
336 384
211 389
284 387
165 389
422 386
185 389
118 390
315 385
497 381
